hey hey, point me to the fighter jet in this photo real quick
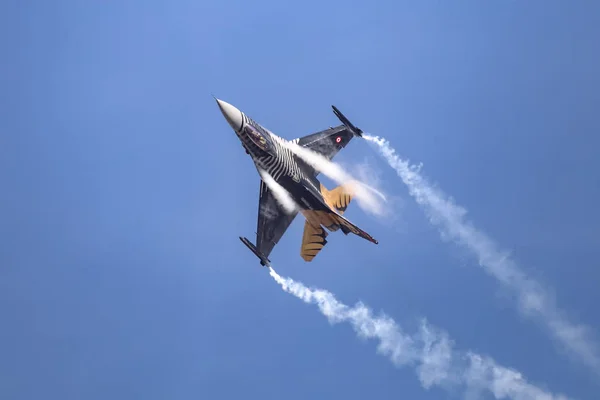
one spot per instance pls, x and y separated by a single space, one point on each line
322 208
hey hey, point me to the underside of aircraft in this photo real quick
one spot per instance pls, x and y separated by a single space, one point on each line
323 209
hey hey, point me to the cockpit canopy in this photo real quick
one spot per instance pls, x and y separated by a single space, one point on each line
259 137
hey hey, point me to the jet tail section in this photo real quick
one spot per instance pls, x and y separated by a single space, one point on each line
347 227
337 201
264 261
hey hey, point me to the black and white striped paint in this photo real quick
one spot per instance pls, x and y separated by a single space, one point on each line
277 162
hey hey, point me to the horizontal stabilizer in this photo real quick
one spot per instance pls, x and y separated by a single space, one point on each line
264 261
339 197
347 227
313 241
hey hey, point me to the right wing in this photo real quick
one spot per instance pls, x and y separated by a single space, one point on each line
327 142
273 221
330 141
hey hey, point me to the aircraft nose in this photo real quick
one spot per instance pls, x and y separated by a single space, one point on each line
231 114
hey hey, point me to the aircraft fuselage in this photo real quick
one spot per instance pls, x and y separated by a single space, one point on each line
270 153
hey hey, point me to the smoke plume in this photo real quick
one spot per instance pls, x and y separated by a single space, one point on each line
281 195
429 351
533 300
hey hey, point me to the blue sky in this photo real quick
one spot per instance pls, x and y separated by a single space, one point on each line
125 191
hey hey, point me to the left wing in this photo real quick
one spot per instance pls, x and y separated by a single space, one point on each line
273 221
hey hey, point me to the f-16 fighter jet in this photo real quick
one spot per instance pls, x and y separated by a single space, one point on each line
321 208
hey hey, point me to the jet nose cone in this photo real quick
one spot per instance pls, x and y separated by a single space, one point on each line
231 114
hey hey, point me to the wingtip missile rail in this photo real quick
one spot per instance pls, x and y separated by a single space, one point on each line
354 129
264 261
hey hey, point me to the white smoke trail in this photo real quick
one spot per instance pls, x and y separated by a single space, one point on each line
429 351
281 195
368 198
366 171
533 300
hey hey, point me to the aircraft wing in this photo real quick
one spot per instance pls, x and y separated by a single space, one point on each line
327 142
330 141
273 221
